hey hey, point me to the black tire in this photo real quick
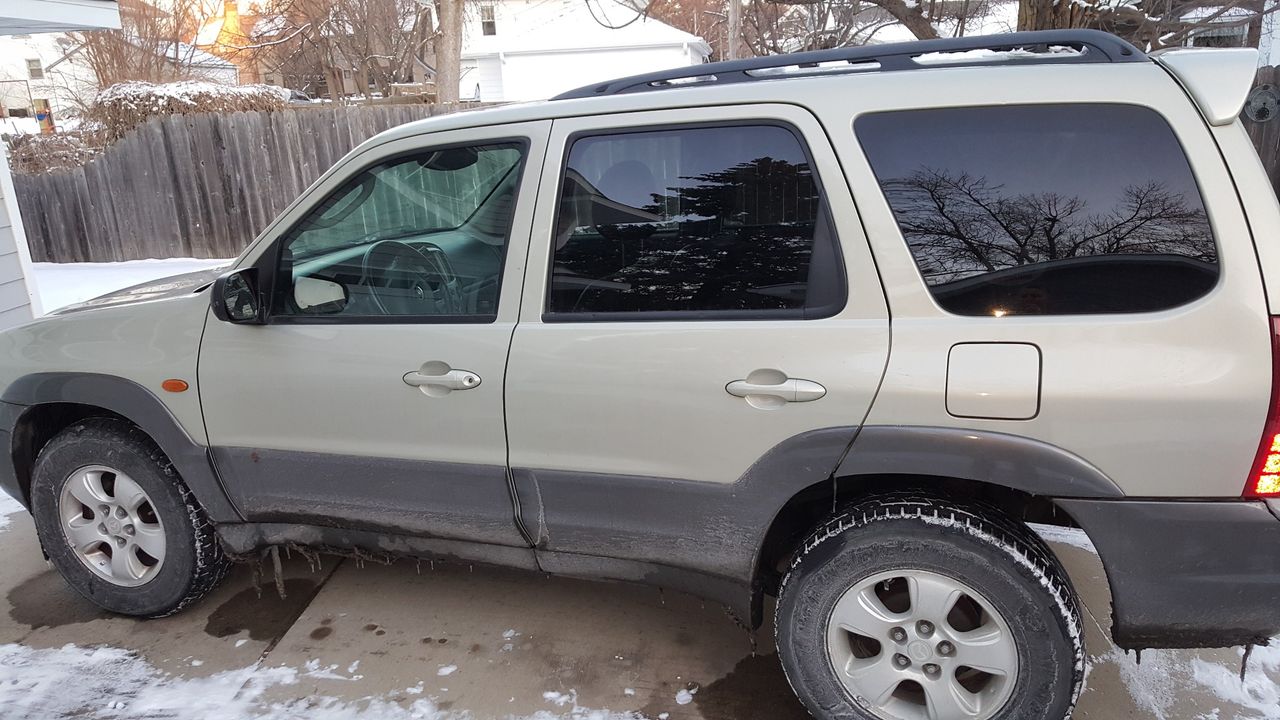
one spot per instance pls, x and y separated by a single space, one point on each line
194 562
998 557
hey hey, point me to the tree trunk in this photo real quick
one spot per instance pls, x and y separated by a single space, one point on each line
448 51
1051 15
910 16
735 29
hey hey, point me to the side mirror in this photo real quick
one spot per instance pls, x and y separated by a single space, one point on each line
235 297
316 296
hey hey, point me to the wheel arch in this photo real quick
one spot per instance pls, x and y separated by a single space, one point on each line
41 405
1022 477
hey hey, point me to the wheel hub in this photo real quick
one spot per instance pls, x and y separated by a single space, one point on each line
111 525
918 645
920 651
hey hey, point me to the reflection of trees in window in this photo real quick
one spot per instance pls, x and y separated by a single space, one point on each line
959 225
733 239
756 192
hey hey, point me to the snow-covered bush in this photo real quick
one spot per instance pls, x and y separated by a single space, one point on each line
120 107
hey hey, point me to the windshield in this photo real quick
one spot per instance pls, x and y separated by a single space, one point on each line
413 196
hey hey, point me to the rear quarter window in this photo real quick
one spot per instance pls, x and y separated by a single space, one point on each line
1045 209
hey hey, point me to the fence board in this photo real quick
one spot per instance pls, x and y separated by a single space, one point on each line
191 185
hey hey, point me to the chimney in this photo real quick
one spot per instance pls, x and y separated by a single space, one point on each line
231 34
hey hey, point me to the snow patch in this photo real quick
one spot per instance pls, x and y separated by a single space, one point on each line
1164 676
1074 537
988 55
8 506
114 684
446 670
1257 692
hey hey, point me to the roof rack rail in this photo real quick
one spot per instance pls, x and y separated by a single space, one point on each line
1024 48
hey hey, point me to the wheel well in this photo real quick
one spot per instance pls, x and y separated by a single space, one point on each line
38 425
804 511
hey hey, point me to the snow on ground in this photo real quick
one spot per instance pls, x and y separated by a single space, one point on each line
112 684
19 126
8 506
62 284
1160 677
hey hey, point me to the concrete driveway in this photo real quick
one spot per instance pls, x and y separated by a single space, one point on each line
416 641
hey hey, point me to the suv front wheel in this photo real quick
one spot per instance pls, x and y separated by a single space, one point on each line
117 522
919 608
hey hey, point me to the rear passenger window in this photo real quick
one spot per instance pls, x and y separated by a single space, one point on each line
713 221
1044 210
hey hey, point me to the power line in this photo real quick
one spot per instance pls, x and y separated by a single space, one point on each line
639 14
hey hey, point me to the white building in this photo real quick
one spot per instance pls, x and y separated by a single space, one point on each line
18 299
53 67
534 49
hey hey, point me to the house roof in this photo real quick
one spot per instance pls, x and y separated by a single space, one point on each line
24 17
580 25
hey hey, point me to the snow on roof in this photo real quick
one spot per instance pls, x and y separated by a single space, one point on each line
571 25
192 55
209 31
267 25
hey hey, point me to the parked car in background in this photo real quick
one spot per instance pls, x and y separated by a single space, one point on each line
831 327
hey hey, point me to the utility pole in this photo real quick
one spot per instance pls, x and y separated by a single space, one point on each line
735 28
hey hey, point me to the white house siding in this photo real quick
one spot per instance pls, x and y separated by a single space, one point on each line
536 76
68 83
544 47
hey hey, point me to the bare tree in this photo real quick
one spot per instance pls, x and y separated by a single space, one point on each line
376 43
1150 24
149 46
958 224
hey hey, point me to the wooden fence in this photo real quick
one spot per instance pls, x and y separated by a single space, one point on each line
191 185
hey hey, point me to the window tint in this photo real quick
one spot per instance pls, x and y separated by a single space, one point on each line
696 220
423 235
1044 210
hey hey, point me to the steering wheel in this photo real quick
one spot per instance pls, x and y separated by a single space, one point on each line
405 280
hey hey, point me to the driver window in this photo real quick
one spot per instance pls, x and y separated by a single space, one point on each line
418 236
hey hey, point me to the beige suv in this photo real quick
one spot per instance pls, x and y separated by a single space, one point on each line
829 327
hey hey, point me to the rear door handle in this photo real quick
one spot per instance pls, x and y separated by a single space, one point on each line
789 390
443 382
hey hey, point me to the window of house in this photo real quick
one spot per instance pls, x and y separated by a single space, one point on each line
423 235
1044 209
488 23
35 70
713 221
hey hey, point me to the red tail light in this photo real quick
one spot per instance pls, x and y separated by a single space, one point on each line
1264 481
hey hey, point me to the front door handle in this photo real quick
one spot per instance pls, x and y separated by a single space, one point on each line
437 379
789 390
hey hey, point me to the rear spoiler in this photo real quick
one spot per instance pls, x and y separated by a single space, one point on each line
1217 79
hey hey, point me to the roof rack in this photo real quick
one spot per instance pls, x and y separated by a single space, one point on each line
1023 48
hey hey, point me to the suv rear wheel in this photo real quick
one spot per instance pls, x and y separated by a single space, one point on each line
118 523
917 608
